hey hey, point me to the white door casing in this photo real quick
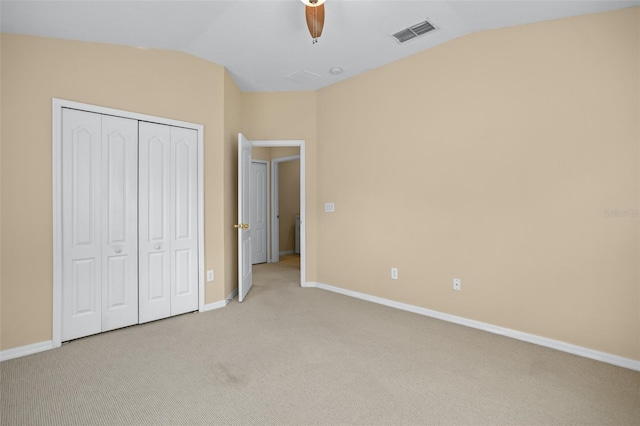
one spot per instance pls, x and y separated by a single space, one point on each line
275 211
245 272
303 205
258 211
119 222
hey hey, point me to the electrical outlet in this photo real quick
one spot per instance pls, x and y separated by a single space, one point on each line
329 207
457 284
210 275
394 273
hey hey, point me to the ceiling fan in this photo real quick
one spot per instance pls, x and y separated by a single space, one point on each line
315 17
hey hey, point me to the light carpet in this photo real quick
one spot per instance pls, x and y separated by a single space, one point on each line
295 356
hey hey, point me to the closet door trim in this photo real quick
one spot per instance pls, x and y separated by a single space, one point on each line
57 107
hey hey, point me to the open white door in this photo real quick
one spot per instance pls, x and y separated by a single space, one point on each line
245 273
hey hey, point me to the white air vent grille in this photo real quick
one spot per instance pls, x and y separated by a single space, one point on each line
303 77
414 31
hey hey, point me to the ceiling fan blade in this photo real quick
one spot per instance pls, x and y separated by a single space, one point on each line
315 20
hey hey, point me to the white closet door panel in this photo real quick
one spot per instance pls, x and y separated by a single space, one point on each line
154 228
258 212
184 220
157 272
119 222
81 241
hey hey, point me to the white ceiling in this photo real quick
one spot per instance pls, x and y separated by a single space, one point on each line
262 42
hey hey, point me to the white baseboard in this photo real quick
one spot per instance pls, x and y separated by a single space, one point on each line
221 303
514 334
282 253
45 346
309 284
231 295
25 350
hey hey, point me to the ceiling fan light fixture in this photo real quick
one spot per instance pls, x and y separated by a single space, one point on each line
313 3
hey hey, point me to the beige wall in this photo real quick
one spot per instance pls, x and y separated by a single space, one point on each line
1 36
261 153
288 115
269 153
492 159
233 125
289 191
33 71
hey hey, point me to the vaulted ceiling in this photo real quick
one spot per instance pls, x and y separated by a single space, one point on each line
265 44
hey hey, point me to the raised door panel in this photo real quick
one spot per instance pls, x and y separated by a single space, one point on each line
119 222
184 220
81 213
154 229
258 212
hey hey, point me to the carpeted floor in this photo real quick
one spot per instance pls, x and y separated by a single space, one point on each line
289 355
290 260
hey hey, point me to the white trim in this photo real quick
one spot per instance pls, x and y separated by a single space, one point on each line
231 295
221 303
56 137
63 103
507 332
284 159
303 196
215 305
20 351
275 216
200 129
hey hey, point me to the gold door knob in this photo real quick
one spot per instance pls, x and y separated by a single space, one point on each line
245 226
237 226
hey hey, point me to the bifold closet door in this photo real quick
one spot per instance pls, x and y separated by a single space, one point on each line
153 203
184 220
119 222
168 256
99 221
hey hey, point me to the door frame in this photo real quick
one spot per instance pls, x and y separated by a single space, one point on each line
303 205
275 204
56 138
267 163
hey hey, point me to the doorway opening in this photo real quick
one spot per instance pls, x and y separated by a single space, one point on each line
285 206
245 237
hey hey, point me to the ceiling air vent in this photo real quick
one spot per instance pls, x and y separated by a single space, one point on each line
303 77
414 31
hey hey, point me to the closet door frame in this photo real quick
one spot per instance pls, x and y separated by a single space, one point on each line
57 107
